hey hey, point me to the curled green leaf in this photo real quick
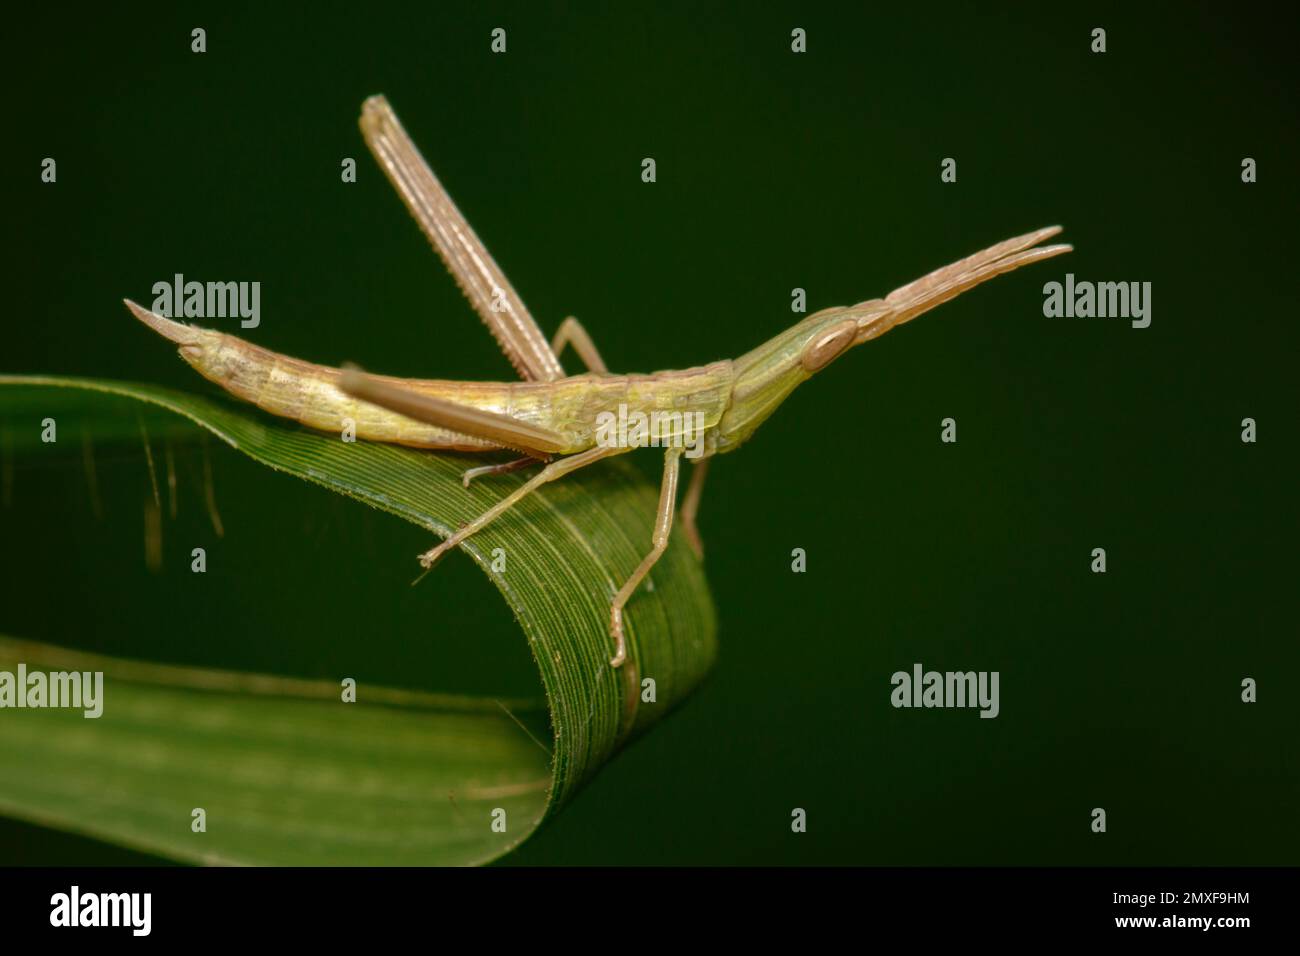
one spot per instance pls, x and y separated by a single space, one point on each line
294 775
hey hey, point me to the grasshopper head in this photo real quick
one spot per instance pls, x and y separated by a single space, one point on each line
765 376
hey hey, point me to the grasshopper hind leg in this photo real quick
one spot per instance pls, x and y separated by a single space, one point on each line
571 332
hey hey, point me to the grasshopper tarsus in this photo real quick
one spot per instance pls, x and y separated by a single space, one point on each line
616 632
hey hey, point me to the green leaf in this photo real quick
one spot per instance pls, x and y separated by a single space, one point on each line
289 774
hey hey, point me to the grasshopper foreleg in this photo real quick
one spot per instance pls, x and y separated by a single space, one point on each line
663 527
691 507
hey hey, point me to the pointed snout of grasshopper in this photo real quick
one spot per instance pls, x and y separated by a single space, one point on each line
186 336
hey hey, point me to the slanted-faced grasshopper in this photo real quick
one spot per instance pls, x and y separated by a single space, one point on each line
551 417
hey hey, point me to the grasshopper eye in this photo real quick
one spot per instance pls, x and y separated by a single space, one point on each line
828 346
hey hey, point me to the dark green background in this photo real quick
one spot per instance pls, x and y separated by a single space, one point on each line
775 170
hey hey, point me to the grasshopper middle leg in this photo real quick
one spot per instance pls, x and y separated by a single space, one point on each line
555 469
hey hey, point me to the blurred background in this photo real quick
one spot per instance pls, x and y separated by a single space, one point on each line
775 170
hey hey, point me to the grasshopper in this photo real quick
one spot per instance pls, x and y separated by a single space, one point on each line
550 418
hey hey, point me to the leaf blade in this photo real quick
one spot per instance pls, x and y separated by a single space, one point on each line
570 545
